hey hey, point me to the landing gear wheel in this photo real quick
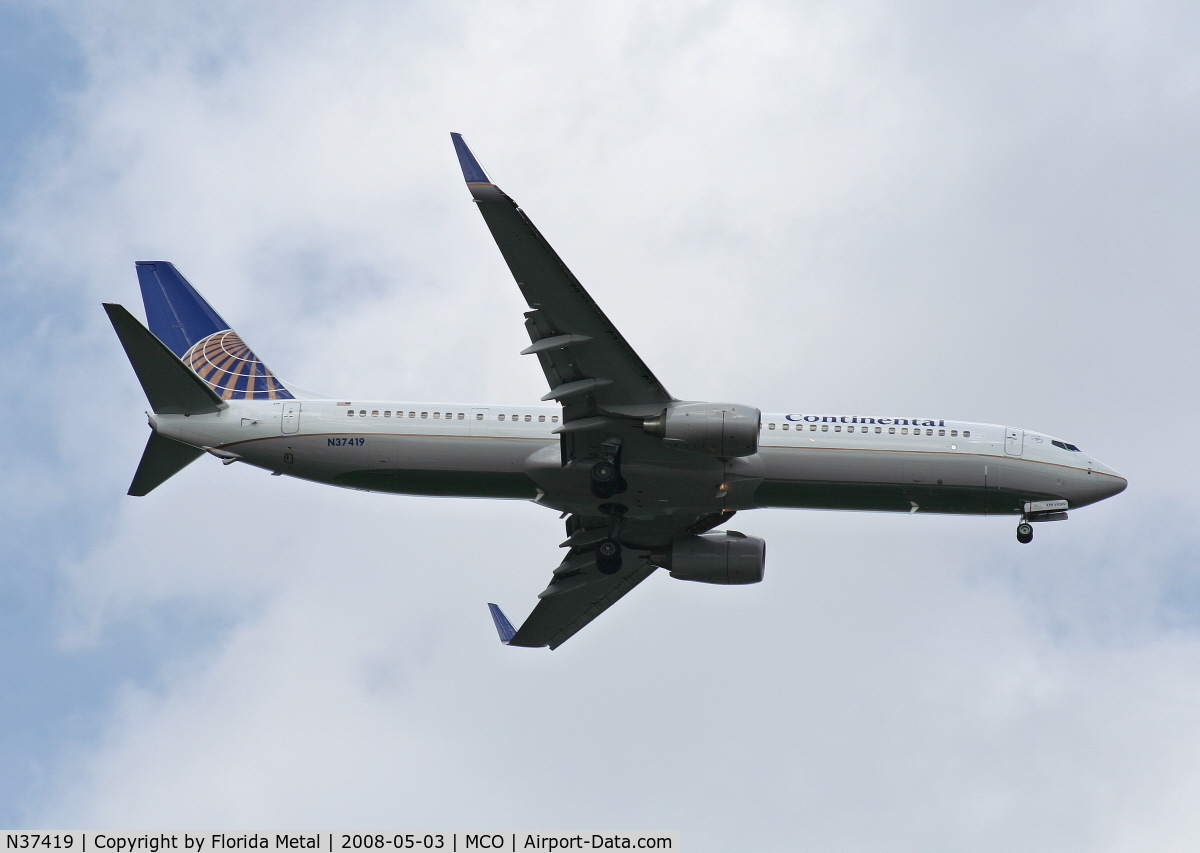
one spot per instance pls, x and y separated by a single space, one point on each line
1024 532
604 472
607 480
608 556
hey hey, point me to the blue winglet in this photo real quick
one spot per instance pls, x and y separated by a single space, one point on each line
503 627
472 171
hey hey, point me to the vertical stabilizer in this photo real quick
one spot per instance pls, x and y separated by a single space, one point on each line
180 318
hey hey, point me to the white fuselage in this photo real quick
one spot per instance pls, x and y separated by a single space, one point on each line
804 461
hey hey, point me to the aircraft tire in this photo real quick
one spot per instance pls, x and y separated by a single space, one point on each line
608 556
1024 532
604 472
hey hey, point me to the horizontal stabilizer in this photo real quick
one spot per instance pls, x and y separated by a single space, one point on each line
170 385
162 459
503 627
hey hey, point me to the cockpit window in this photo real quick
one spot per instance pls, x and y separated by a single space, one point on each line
1065 446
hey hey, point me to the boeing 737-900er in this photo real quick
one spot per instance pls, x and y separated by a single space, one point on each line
643 479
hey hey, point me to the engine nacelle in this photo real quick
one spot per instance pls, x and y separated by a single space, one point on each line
727 557
717 429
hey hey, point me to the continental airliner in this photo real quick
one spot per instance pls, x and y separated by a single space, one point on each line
642 479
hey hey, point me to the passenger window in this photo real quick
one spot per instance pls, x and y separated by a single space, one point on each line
966 433
362 413
812 427
891 430
437 414
350 413
554 419
412 414
954 433
375 413
904 431
837 428
424 414
770 426
824 427
941 432
388 413
500 417
929 432
878 430
785 426
479 416
541 419
849 429
528 418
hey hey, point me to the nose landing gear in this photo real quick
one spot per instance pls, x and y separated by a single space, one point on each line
1024 532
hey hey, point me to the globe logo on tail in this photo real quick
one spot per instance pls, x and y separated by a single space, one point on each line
232 369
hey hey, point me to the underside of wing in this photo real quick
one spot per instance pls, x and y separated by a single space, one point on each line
590 367
578 593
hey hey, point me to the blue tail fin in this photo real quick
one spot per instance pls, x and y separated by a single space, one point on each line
180 318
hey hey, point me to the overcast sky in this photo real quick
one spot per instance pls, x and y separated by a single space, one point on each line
974 211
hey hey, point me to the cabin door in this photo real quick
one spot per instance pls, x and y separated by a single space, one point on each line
1014 441
290 421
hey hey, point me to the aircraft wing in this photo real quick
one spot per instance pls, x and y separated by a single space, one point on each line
578 593
590 367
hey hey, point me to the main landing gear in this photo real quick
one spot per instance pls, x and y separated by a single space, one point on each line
1024 532
606 474
608 557
608 551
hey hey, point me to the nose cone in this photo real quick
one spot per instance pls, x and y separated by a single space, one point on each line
1107 481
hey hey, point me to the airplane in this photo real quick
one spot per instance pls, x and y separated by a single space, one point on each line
642 478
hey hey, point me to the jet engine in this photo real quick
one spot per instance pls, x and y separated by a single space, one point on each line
727 557
717 429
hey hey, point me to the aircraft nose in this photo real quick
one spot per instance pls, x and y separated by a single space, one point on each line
1109 484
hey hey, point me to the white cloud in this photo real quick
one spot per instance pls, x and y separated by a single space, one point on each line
845 206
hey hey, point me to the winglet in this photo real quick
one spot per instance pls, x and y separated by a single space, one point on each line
503 627
471 169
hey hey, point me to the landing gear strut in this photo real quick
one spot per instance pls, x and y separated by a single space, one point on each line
1024 532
